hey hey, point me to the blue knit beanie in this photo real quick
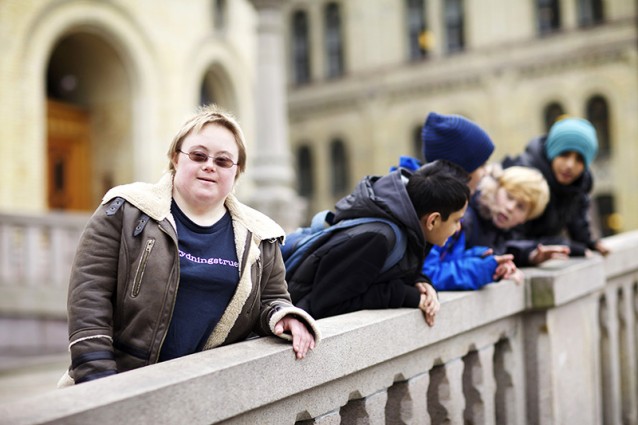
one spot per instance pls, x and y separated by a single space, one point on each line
455 139
572 134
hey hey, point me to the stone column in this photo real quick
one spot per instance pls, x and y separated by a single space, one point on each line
272 169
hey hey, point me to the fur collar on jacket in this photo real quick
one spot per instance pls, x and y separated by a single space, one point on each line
155 201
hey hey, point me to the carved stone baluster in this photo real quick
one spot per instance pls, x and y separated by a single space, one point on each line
33 261
368 410
59 272
445 394
510 393
6 252
627 353
480 386
330 418
609 358
407 401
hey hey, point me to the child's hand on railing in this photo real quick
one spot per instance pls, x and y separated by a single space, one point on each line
429 303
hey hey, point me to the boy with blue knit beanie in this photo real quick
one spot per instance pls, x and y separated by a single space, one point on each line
452 266
564 156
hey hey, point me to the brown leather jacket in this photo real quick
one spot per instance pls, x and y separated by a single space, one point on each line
126 273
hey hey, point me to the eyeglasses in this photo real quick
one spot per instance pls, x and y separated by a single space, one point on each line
199 156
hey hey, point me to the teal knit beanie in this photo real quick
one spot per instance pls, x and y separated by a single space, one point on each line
572 134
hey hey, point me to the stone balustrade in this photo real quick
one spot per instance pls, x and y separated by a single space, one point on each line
560 349
36 253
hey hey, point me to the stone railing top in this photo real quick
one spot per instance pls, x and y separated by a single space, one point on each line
220 384
623 253
558 282
59 219
198 388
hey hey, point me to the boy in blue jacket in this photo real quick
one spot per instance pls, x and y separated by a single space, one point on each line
453 266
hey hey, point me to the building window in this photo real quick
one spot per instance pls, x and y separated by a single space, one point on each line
339 161
220 15
590 12
418 37
454 21
334 51
300 48
548 16
610 221
206 93
551 114
598 115
306 183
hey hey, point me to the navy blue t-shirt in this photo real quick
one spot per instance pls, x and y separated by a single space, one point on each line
209 273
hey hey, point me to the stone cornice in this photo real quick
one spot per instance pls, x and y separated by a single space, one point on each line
448 75
269 4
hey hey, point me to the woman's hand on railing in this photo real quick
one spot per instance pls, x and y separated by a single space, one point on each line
302 339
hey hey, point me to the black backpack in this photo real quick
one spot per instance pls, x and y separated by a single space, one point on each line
305 240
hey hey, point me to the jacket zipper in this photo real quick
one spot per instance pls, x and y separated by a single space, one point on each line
139 274
176 270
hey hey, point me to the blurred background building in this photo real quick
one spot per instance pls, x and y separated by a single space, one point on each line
364 74
93 91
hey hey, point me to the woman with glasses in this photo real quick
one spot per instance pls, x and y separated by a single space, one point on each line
168 269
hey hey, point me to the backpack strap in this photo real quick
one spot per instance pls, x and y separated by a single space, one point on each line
302 242
400 241
321 220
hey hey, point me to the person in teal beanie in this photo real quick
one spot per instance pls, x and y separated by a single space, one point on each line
453 266
564 156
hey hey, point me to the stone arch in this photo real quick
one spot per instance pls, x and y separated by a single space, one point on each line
226 73
217 87
109 28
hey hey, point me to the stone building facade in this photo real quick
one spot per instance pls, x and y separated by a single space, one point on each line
363 74
93 92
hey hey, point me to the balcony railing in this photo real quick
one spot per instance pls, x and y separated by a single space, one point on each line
36 253
561 349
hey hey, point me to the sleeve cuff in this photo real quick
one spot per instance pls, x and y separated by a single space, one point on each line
412 297
310 322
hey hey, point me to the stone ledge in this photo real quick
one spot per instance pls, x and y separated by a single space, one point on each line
174 391
559 282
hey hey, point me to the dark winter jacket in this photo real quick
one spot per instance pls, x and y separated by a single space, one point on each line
568 206
343 274
125 279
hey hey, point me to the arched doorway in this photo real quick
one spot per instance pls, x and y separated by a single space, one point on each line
217 87
89 121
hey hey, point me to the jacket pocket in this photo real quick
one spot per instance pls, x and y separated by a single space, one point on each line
141 267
